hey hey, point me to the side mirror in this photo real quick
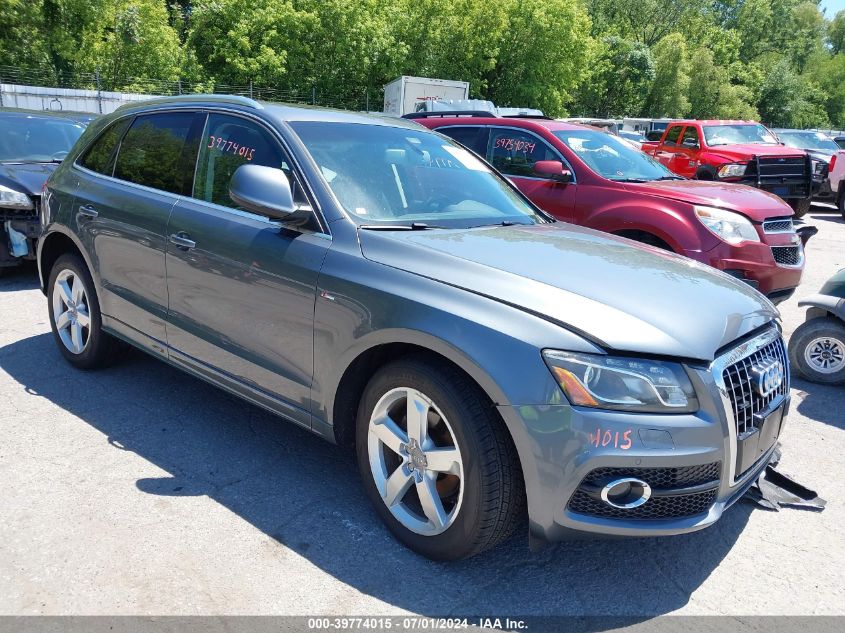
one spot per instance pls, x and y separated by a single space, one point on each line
690 142
262 190
553 170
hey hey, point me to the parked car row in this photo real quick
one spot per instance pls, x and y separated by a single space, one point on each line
588 177
410 291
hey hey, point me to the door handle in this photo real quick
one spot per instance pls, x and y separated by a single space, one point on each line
182 240
88 211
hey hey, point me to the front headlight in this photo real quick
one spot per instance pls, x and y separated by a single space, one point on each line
623 384
819 167
11 199
727 225
732 170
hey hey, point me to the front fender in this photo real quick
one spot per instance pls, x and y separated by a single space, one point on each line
50 233
828 303
665 221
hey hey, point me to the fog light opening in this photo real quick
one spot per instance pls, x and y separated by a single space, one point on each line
626 493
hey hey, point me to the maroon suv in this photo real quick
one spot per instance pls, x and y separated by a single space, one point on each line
586 176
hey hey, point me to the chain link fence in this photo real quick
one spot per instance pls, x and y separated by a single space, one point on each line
48 89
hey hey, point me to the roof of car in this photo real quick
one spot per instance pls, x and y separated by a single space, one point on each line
526 122
715 121
278 111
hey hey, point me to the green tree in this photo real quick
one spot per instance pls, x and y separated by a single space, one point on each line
542 55
668 94
621 74
130 42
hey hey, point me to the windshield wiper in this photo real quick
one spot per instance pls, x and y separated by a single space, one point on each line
670 178
413 226
628 180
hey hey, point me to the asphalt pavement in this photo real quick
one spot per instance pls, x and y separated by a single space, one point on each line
141 490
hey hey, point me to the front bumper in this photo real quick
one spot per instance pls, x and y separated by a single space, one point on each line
561 452
754 263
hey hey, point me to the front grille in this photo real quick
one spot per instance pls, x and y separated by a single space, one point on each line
779 225
668 507
787 255
744 398
658 478
663 481
789 167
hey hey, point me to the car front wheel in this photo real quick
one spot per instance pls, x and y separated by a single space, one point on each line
75 315
437 462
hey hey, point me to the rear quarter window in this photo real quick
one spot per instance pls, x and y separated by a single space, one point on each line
100 156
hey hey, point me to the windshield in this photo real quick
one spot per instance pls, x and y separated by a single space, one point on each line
36 139
740 133
612 158
395 176
808 140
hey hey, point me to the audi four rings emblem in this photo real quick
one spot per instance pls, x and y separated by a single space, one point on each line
768 376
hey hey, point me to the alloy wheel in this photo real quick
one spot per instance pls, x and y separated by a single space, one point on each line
415 461
70 311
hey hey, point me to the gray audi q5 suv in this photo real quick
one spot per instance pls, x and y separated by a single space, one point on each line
377 283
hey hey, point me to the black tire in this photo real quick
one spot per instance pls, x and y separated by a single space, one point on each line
840 203
705 173
100 348
819 328
493 490
801 207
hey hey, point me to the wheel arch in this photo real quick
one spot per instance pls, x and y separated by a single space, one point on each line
54 245
386 348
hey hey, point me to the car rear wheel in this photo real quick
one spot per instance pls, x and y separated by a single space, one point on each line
817 350
841 202
75 315
437 463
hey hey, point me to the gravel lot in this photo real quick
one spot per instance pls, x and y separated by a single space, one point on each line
140 490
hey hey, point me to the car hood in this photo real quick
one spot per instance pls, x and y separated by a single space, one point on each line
753 203
619 294
745 152
821 154
26 177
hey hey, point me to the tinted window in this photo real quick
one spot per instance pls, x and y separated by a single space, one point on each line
672 136
514 152
474 138
229 142
151 151
100 156
398 175
690 138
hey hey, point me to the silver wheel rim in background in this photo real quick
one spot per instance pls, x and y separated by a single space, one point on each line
415 461
825 354
70 311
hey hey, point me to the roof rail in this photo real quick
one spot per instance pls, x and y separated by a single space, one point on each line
207 98
450 113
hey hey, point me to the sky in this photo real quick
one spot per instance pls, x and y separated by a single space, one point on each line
832 6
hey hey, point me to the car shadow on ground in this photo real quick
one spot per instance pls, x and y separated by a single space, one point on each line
820 402
306 494
16 278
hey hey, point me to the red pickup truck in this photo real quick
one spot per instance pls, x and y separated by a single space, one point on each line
586 176
736 151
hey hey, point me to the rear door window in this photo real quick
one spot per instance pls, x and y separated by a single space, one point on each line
100 156
673 135
514 152
472 136
229 142
151 153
